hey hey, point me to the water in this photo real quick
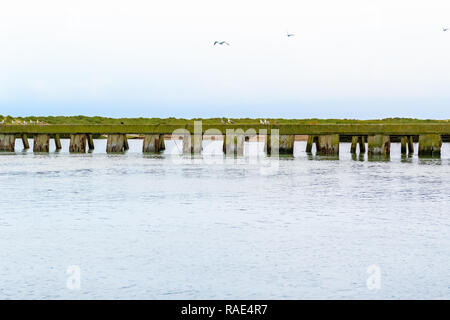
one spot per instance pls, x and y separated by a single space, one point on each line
161 227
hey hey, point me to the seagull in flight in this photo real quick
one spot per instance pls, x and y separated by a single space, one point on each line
444 29
221 43
289 34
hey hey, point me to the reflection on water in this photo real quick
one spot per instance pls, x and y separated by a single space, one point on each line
171 227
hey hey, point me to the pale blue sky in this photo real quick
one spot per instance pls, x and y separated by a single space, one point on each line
348 59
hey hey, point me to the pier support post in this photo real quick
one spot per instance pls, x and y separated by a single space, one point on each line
354 144
430 145
7 142
41 143
125 143
115 143
239 140
309 144
411 145
77 143
152 143
362 144
379 145
57 142
286 145
90 140
192 143
25 143
403 142
328 145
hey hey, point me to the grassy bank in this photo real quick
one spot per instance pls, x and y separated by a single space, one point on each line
179 121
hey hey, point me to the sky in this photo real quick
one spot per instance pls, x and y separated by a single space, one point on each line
348 59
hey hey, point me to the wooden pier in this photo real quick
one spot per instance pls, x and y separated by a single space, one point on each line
278 138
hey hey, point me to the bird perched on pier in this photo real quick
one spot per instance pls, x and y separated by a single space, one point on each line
2 122
261 122
267 122
221 43
24 122
444 29
31 122
230 121
37 121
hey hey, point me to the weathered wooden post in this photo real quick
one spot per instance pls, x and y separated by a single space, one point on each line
41 143
125 143
77 143
430 145
152 143
229 142
197 143
309 144
25 143
328 145
403 142
362 144
286 145
90 140
7 142
379 145
239 141
354 144
115 143
410 144
57 142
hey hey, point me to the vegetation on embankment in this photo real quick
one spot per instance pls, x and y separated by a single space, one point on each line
179 121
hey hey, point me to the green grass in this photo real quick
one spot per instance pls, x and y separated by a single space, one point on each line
180 121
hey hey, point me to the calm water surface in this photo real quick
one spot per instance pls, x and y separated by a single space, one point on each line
164 227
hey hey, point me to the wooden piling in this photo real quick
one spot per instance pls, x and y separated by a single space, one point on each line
286 145
7 142
362 144
328 144
125 143
57 142
410 144
354 144
309 144
239 141
25 143
152 143
430 145
41 143
77 143
379 145
115 143
229 144
403 142
90 140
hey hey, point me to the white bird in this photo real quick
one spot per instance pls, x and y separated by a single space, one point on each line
229 121
261 122
267 122
444 29
2 122
24 122
31 121
221 43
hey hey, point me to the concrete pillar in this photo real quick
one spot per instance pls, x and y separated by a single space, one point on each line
430 145
41 143
328 144
7 142
286 145
115 143
379 145
25 143
187 144
239 140
57 142
403 142
77 143
411 145
90 140
197 143
152 143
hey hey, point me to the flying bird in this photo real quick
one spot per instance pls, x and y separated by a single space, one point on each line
221 43
444 29
290 34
